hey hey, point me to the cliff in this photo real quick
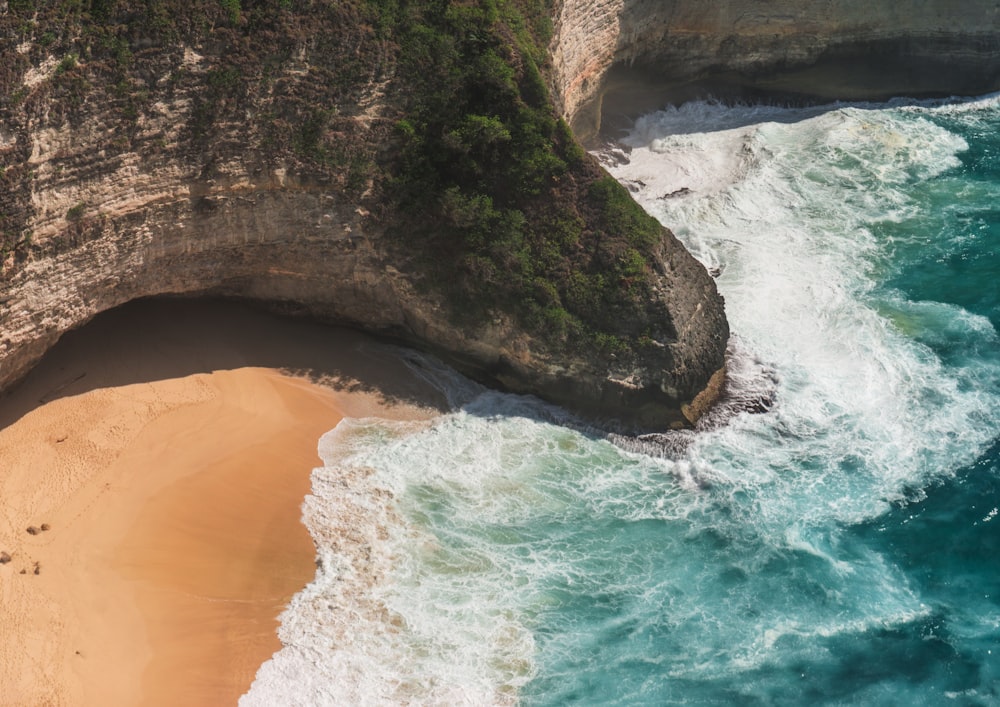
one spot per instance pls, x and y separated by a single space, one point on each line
399 167
635 55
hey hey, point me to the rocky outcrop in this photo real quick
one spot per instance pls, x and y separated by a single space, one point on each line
253 163
307 251
209 148
642 53
247 152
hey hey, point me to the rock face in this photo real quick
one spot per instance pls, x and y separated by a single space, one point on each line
307 250
836 49
135 161
247 153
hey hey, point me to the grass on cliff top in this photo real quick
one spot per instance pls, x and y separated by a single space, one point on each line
488 196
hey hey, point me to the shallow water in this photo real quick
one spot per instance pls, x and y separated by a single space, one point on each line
838 549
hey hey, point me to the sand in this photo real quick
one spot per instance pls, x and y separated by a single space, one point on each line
167 447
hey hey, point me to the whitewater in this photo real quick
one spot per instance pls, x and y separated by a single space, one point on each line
836 546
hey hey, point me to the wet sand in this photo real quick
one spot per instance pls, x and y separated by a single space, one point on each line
168 446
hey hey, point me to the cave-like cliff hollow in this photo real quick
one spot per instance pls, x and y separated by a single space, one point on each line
402 167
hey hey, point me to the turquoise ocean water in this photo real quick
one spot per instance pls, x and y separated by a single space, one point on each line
842 547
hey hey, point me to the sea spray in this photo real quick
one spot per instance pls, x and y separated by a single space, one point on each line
834 544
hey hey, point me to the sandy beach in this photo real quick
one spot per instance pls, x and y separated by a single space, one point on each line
153 468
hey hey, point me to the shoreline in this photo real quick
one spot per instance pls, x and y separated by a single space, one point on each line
173 504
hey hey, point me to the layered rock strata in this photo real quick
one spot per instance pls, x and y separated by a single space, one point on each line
135 162
644 53
169 172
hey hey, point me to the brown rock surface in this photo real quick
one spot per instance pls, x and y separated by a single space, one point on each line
647 51
240 159
194 168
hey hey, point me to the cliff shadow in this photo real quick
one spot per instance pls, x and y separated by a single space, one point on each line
164 338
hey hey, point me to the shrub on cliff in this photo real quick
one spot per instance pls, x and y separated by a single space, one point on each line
493 194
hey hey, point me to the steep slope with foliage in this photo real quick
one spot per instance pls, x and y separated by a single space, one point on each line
393 165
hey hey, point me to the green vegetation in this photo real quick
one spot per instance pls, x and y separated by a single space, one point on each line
482 187
493 186
233 9
75 213
67 64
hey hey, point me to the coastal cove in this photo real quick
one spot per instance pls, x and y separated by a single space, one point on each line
166 449
504 352
415 174
476 547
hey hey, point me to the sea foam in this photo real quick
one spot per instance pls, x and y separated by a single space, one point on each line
791 224
497 555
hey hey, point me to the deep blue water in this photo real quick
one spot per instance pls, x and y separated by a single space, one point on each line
840 548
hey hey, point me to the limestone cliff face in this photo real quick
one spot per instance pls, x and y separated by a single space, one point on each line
255 165
251 150
836 49
111 210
